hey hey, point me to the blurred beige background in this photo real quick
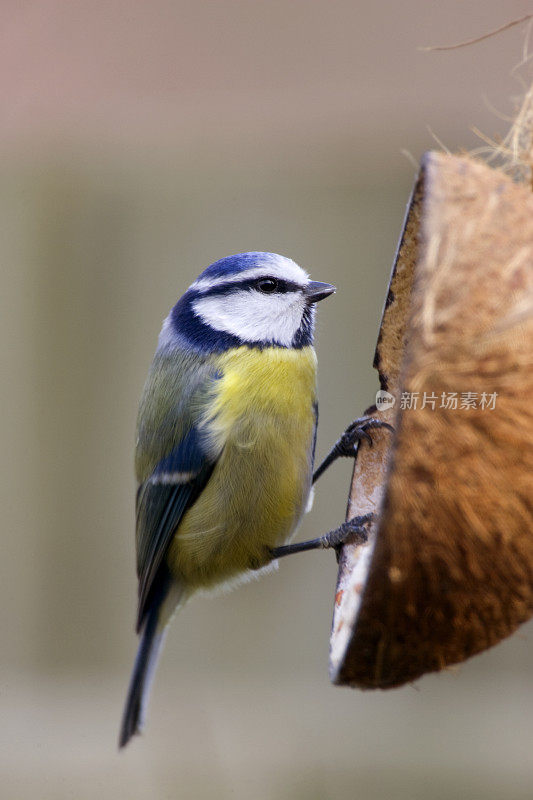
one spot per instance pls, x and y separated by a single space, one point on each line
140 142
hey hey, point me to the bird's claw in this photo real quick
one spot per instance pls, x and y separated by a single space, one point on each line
356 432
355 528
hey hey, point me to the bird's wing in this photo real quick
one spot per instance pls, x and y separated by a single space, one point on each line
162 499
173 459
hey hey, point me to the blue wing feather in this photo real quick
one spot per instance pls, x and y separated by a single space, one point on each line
188 456
161 503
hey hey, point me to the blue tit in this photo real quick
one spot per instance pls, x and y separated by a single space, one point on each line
225 442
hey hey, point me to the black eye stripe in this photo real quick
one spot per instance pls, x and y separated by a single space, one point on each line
227 288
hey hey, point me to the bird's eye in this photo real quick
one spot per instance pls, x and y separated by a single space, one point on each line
267 285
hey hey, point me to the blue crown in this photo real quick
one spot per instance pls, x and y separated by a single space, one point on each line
232 265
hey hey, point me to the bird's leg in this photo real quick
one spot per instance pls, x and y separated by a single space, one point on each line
348 444
356 527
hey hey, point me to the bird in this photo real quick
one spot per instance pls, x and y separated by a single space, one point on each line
225 444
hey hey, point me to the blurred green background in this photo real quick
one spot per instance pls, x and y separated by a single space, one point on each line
139 143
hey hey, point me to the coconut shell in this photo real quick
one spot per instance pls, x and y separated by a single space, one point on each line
448 568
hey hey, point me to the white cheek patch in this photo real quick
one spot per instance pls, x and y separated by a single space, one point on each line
253 316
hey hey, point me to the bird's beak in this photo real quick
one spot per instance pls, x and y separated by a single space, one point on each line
315 291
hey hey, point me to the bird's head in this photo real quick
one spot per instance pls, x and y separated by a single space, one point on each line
255 299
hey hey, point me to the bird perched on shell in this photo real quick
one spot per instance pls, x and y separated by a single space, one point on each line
225 441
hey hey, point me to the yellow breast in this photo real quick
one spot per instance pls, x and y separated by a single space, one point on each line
276 382
262 419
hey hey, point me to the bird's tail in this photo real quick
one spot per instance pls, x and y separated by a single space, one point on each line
152 639
169 598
